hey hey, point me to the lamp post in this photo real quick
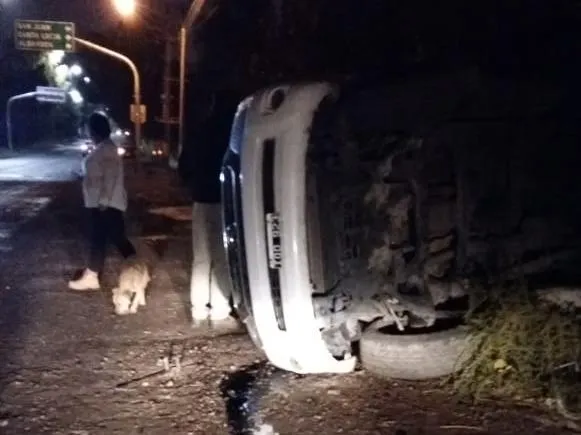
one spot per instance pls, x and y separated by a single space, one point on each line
192 14
136 81
127 8
9 103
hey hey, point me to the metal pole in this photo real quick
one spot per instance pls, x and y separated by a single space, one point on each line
166 98
192 14
9 115
183 44
136 80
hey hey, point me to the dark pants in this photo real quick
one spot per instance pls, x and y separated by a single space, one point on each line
107 225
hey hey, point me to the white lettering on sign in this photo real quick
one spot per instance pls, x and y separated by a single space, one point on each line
36 44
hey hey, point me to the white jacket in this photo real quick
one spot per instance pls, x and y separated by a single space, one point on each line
103 178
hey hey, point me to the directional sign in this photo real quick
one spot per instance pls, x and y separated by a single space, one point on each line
44 35
50 95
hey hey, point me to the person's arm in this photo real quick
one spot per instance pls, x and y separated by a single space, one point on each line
110 163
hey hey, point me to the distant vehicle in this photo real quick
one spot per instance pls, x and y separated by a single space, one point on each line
87 147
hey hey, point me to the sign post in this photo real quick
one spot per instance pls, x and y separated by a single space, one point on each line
37 35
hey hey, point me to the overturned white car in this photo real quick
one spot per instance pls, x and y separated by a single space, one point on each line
343 244
300 244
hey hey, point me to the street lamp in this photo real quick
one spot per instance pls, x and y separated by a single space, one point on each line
76 96
55 57
76 70
126 8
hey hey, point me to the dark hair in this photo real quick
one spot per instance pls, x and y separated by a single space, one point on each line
99 125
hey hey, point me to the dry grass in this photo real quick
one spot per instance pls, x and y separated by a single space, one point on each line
519 343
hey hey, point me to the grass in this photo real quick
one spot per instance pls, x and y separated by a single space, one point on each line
518 344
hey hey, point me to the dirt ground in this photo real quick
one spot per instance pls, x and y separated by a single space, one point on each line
68 365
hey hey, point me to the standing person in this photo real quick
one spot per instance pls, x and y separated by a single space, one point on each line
199 166
105 199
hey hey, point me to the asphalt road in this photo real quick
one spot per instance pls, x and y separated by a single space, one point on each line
28 183
68 365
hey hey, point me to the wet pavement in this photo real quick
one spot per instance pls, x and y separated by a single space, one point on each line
68 365
24 192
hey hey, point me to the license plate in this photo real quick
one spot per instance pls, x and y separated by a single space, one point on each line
273 238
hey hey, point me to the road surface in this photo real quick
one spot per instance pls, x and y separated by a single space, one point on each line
68 365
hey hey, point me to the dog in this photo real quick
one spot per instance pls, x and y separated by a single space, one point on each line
130 292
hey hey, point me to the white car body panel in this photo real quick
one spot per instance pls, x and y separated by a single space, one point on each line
300 348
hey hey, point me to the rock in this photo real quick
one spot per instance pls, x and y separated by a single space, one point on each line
561 296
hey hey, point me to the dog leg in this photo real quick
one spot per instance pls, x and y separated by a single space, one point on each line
142 298
134 304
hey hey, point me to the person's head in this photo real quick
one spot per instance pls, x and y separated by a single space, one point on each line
99 128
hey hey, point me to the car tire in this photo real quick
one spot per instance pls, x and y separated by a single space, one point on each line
414 356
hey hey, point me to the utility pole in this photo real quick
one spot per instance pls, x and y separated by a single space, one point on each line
168 109
167 94
193 13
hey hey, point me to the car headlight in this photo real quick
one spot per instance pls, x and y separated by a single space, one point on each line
121 151
84 147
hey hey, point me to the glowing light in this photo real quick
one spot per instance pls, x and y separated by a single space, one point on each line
55 57
61 73
76 70
126 8
121 151
76 96
87 80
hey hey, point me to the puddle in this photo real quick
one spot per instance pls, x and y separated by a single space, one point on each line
243 391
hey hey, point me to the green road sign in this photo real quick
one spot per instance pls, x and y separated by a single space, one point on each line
44 35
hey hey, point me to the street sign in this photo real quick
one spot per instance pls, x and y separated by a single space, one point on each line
44 35
50 95
138 114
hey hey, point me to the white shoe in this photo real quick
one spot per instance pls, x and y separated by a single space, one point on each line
210 314
89 280
220 314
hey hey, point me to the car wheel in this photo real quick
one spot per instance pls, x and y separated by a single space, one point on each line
414 356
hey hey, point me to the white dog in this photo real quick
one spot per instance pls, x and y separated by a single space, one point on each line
130 292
